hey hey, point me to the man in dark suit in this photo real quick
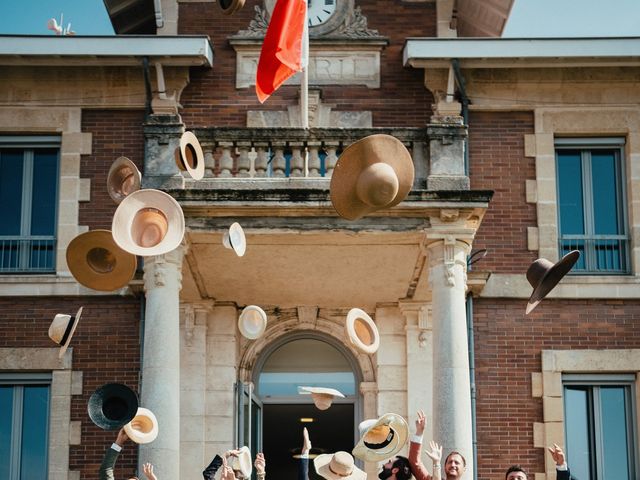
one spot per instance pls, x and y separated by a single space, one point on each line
111 455
562 470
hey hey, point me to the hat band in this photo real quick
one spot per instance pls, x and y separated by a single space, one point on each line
378 446
339 474
67 332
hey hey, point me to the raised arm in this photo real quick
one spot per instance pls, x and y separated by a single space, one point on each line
435 454
417 467
111 455
562 470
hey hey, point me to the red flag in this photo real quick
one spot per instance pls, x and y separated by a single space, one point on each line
281 54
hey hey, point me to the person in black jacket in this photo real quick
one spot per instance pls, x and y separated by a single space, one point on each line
562 470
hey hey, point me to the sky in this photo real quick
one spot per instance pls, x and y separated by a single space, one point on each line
529 18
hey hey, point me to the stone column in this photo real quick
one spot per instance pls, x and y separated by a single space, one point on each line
451 387
161 359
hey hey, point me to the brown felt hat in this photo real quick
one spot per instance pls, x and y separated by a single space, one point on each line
544 276
189 156
373 173
96 262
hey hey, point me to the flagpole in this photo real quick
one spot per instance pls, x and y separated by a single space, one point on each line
304 90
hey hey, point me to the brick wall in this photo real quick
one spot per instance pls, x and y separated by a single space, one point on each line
508 346
105 348
116 133
211 98
497 162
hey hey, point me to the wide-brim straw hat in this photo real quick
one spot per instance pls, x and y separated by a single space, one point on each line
143 428
124 178
148 222
544 275
189 156
338 466
373 173
381 439
230 6
322 396
235 239
62 329
112 406
96 262
242 463
252 322
362 331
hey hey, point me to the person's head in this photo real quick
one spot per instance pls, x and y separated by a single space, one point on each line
454 465
397 467
516 472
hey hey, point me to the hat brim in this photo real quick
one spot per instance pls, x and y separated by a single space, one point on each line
120 163
148 198
233 6
79 248
252 334
321 465
189 140
551 278
350 326
240 244
322 390
137 436
354 159
401 432
63 347
243 462
112 390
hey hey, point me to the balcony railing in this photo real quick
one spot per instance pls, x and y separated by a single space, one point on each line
290 152
27 254
599 254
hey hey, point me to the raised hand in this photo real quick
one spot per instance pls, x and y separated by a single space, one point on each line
147 469
421 422
260 463
306 443
557 454
434 452
227 472
122 437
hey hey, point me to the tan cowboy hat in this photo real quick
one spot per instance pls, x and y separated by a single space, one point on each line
338 466
362 331
112 406
96 262
230 6
382 438
252 322
242 462
189 156
148 222
143 428
373 173
62 329
234 238
124 178
544 276
322 397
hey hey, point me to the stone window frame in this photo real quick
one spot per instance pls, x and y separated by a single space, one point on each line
67 123
548 385
64 384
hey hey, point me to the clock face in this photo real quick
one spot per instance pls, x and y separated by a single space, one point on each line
319 11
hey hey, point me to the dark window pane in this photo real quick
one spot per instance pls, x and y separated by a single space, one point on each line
11 165
570 192
34 432
605 197
6 416
44 192
576 410
614 433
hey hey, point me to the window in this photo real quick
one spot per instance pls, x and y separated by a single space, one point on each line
591 204
599 417
29 198
24 425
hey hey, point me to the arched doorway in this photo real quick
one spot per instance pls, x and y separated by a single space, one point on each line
305 359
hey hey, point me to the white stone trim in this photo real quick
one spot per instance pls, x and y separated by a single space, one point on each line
62 432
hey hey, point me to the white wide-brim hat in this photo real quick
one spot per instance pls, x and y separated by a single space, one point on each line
148 222
362 331
252 322
338 466
381 439
242 463
143 428
322 396
62 329
189 156
124 178
235 239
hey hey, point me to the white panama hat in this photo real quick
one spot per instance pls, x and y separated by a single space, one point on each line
189 156
143 428
235 239
252 322
362 331
338 466
381 438
242 463
322 396
124 178
62 329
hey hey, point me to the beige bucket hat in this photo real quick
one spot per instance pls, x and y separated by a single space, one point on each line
322 397
189 156
124 178
252 322
338 466
362 331
543 276
242 462
148 222
373 173
381 439
96 262
235 239
62 329
143 428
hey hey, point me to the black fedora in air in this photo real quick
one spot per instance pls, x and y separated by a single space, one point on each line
112 406
544 276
